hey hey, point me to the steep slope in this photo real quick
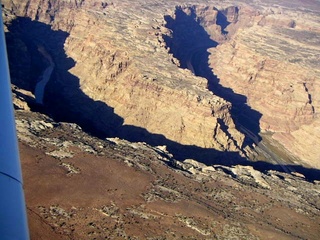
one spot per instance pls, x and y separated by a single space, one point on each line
262 60
115 73
275 64
108 77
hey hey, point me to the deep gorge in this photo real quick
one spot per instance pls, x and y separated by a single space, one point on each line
196 29
113 87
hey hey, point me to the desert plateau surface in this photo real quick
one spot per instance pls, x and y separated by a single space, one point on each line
167 119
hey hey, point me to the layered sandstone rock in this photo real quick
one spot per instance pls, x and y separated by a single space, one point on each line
275 63
277 89
265 58
303 142
113 75
111 60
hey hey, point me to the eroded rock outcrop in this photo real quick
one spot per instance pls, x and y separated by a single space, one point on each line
78 186
111 61
263 61
273 63
82 186
109 79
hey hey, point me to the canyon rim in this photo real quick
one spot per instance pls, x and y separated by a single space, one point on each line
232 85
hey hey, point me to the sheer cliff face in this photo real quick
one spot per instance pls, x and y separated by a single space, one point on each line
114 75
270 60
117 71
268 64
275 63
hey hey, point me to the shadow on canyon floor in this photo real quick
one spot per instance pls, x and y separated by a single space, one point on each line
189 43
65 101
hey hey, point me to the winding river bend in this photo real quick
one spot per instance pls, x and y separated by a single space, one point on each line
45 77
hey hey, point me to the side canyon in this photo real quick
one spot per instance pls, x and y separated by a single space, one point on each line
209 81
167 119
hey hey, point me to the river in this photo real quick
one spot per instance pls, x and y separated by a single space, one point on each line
45 77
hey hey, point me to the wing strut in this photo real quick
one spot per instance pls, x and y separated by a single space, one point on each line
13 218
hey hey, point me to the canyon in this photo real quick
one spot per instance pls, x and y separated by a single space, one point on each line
202 91
110 90
247 51
103 82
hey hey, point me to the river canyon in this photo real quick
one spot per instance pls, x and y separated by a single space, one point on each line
222 84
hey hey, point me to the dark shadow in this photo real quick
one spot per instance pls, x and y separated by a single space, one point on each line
187 36
222 18
310 174
223 22
65 101
189 43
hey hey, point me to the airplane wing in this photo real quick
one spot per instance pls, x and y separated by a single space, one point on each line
13 218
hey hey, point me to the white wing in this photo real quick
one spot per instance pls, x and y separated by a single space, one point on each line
13 219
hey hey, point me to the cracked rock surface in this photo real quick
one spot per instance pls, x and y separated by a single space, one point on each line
116 189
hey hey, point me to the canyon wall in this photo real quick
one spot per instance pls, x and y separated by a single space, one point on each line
275 63
117 71
265 61
113 75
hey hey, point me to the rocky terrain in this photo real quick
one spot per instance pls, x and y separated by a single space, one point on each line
99 56
265 61
130 66
167 119
81 187
280 77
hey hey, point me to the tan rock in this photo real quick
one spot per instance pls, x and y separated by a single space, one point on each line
21 98
277 71
303 142
269 55
117 64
